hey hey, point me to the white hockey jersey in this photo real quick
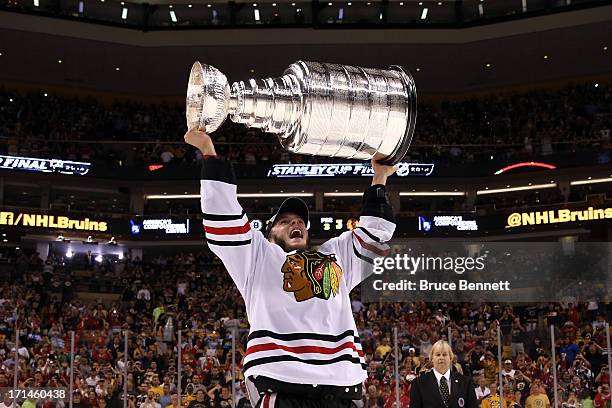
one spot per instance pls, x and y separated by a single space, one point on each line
304 332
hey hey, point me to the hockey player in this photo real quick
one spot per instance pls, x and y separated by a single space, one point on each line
303 349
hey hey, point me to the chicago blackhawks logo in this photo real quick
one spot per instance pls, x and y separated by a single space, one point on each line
311 274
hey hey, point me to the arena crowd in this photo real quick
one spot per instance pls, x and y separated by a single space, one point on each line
191 292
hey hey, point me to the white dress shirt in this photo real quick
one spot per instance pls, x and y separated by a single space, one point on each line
445 375
481 394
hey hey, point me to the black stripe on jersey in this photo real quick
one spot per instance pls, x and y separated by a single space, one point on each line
369 234
361 256
218 170
303 336
223 217
228 243
276 359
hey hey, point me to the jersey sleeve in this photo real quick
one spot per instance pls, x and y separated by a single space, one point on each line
227 228
359 247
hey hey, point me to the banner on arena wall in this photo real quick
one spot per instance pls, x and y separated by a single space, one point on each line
174 226
345 169
456 222
44 165
18 219
560 216
168 226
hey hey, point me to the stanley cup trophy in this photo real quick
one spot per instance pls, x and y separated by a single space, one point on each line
314 108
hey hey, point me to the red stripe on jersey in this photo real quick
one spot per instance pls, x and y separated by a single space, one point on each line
266 401
228 230
303 349
370 247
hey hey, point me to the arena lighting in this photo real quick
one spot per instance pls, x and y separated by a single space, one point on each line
525 164
424 13
343 194
242 195
521 188
591 181
430 193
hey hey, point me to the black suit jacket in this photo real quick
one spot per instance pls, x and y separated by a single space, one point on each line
425 393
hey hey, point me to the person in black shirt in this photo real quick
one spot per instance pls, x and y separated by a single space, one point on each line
77 401
202 400
593 354
220 396
522 384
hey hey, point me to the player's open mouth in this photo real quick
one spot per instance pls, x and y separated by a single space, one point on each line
296 233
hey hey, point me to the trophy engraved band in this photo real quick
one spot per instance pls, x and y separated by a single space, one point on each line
314 108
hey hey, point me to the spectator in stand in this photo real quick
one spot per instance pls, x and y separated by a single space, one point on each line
508 372
482 391
602 398
537 398
493 400
7 402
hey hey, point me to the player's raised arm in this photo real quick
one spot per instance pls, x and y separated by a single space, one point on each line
227 227
376 227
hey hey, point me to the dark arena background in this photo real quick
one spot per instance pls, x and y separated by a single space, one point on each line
109 295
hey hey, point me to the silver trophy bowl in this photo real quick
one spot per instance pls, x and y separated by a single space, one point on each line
314 108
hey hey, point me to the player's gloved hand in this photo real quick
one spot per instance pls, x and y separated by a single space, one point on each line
199 138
